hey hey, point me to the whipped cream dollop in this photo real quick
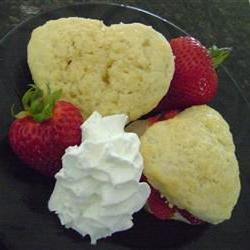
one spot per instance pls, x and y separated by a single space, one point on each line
98 190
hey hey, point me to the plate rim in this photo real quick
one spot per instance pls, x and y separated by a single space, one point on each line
85 4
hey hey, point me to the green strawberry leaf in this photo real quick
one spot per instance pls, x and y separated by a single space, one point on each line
26 98
219 55
37 104
22 114
39 117
56 95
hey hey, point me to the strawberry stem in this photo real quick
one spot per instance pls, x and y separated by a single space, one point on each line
219 55
37 105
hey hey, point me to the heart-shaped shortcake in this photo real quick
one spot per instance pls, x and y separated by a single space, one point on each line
122 68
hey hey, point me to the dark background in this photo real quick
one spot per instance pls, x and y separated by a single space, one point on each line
220 22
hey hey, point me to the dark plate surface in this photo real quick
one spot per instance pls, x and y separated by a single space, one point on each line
26 223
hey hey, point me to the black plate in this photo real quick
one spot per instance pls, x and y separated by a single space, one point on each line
26 223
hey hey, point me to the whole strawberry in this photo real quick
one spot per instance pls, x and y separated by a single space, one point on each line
42 132
195 80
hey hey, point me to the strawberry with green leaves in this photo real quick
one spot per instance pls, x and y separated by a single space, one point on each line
195 80
41 133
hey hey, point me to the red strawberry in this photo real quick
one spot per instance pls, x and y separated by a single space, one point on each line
163 116
41 133
195 79
158 206
140 126
161 209
192 219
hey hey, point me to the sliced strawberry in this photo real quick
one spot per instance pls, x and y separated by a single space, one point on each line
158 206
161 208
191 218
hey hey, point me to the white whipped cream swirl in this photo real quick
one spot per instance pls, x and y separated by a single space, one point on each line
98 189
